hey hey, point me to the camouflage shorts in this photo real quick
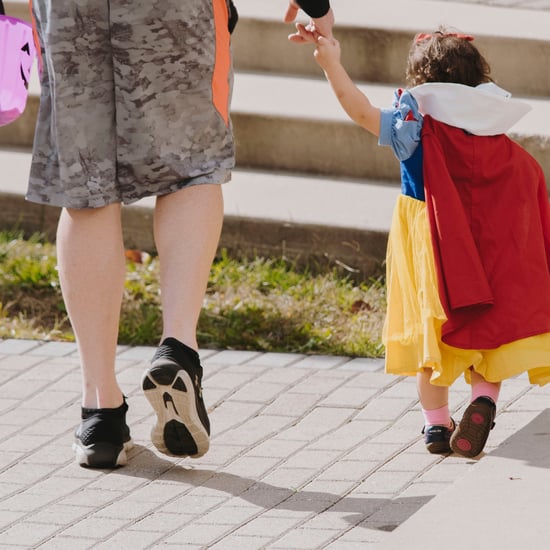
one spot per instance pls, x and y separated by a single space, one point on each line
135 100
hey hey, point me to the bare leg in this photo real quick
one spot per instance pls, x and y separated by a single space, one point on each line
92 271
187 230
431 397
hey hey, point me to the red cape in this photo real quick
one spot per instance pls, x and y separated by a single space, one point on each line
489 215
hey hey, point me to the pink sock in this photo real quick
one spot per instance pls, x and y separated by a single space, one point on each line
486 389
437 417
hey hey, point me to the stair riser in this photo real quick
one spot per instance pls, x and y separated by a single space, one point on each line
360 253
307 146
333 148
21 132
373 55
18 9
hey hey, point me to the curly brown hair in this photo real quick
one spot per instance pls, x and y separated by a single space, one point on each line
446 56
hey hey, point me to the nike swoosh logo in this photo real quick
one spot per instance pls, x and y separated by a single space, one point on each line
167 398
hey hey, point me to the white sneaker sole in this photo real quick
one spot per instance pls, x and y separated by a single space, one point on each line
178 430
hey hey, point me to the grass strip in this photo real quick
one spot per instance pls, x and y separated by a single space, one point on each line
261 304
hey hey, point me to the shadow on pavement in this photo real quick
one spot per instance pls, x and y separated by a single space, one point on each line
531 444
390 513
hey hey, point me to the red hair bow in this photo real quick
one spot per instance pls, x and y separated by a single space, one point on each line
424 36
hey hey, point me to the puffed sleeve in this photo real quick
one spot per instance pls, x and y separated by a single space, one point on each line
400 126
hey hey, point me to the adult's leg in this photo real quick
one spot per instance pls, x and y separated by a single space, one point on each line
91 262
187 230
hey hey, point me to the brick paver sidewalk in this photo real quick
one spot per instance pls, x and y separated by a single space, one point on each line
307 452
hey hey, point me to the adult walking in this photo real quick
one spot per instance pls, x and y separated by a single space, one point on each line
135 103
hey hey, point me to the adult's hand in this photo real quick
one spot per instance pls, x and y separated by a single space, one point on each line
308 33
291 12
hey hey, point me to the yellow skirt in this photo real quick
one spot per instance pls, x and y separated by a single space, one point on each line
412 330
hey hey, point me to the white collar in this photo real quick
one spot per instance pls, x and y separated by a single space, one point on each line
485 110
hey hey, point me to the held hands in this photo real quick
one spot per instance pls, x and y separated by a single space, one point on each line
308 33
327 52
327 55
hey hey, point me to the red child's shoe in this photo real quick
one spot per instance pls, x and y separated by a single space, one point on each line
470 437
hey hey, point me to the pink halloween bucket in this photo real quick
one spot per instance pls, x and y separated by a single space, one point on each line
17 53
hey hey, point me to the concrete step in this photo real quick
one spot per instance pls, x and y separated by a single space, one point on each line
376 36
18 8
295 124
323 221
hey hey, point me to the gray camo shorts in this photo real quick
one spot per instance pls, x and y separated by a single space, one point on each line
134 100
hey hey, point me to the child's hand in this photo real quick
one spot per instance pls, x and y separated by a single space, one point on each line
307 33
327 52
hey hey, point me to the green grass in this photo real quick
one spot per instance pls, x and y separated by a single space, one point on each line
261 304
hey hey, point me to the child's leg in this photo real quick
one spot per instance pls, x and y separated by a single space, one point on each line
438 425
470 437
482 388
433 399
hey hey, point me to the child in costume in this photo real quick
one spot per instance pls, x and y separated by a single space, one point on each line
468 275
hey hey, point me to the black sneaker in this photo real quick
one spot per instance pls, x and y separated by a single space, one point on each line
103 437
173 387
437 438
473 431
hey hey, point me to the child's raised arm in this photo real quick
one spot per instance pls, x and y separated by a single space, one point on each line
355 103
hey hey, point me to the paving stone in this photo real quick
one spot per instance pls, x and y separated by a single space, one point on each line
27 534
53 349
304 539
